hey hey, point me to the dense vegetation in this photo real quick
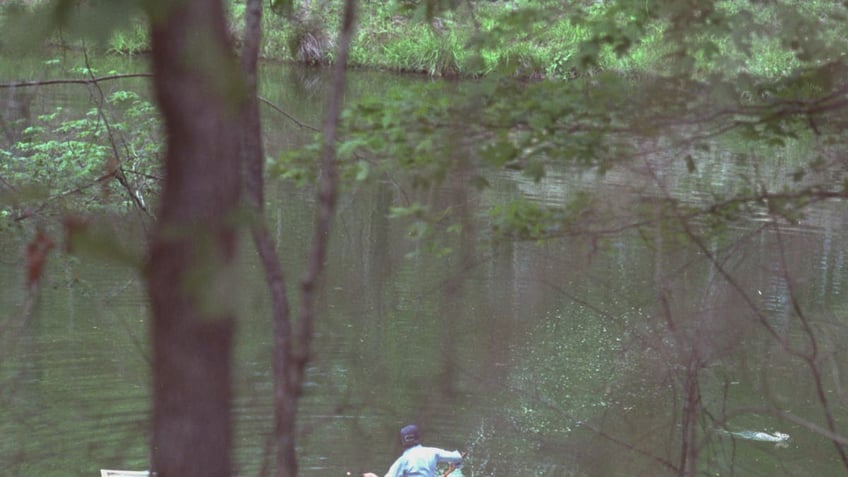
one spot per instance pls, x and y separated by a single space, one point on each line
525 38
789 56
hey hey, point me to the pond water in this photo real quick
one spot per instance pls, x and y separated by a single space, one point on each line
570 357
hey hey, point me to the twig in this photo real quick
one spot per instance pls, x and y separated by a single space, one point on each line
7 184
32 212
119 171
287 115
86 81
94 80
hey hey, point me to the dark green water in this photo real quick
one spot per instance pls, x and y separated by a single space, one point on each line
553 358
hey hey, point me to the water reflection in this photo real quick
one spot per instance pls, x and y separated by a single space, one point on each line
567 357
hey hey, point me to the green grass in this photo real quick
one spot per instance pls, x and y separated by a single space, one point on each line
420 50
513 38
130 41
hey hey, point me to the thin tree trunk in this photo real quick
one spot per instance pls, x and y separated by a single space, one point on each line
193 244
327 194
252 149
288 363
253 156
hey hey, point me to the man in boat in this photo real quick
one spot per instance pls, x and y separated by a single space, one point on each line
417 460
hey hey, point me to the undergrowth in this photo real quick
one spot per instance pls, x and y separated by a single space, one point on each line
528 39
84 161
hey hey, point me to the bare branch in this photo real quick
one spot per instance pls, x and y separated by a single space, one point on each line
276 108
327 188
85 81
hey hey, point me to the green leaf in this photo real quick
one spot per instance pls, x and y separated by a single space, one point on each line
363 170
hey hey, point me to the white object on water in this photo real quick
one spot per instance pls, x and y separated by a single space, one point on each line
780 439
126 473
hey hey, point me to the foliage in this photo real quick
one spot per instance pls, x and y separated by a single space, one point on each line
533 39
132 40
714 82
73 159
68 23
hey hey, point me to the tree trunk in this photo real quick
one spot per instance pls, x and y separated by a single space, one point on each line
298 351
253 156
192 248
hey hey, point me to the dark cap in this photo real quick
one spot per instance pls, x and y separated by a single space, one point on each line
410 436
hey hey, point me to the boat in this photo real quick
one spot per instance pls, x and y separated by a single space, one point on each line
126 473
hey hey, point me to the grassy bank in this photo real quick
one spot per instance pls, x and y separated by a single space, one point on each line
538 38
477 39
518 37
